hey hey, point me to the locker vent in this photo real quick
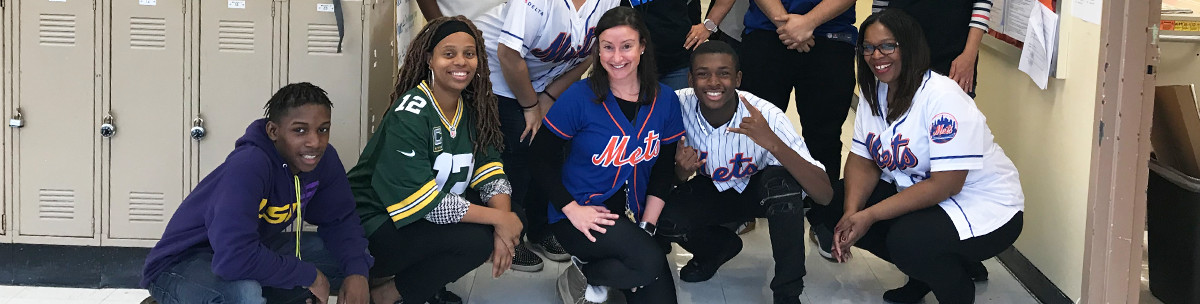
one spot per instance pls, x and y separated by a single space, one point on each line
147 33
322 39
146 207
56 204
235 36
56 29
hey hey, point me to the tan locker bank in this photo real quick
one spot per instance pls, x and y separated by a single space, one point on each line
126 104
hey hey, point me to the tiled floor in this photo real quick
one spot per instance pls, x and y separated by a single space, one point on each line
743 280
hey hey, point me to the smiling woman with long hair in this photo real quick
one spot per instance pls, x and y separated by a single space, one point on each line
621 127
926 187
430 187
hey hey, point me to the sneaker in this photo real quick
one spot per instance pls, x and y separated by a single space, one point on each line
823 239
550 248
745 228
525 260
781 299
574 289
698 270
445 297
912 292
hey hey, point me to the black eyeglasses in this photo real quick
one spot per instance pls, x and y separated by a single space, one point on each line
887 48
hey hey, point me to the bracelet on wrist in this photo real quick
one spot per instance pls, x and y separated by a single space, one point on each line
552 98
535 104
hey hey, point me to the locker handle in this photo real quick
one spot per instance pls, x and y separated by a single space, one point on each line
16 121
198 131
108 129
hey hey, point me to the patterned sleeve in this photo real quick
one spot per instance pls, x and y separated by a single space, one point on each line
498 186
981 14
451 210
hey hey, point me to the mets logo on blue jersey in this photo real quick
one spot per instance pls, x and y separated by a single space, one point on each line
900 157
614 152
944 128
562 49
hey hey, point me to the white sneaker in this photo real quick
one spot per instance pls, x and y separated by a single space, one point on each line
573 287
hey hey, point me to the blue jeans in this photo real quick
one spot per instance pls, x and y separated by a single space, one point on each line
676 79
192 280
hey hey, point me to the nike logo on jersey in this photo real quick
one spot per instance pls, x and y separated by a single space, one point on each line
614 152
410 153
742 167
561 49
900 157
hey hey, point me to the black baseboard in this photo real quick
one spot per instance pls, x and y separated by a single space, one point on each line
71 266
1033 279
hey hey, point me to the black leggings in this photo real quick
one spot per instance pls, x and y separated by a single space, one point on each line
425 256
923 244
623 258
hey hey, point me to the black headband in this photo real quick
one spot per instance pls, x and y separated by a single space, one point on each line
450 27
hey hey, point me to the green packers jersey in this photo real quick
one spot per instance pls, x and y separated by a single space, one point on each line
418 154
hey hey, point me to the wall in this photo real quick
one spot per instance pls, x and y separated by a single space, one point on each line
1048 135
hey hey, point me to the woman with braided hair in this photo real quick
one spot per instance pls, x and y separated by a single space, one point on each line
430 187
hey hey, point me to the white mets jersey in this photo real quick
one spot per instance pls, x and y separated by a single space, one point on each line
943 131
552 35
731 157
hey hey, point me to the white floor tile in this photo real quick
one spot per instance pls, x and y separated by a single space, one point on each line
8 292
58 293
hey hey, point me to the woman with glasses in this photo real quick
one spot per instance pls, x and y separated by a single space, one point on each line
926 187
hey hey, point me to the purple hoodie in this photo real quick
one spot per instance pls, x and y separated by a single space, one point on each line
247 201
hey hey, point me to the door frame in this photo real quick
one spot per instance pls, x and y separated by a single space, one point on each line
1116 214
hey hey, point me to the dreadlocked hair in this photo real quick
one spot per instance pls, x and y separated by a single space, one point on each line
477 95
293 96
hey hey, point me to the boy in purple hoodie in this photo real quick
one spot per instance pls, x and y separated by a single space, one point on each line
226 243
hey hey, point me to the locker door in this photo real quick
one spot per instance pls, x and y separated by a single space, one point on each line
313 57
235 72
57 99
148 103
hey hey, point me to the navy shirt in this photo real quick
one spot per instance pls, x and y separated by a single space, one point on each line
842 24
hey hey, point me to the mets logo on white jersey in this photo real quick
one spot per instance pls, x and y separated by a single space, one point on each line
944 128
742 166
614 152
562 49
900 157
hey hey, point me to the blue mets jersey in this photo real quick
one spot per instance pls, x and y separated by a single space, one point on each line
607 150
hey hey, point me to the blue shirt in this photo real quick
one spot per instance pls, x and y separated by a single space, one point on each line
607 150
842 24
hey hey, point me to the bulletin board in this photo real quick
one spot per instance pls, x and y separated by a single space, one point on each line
1009 18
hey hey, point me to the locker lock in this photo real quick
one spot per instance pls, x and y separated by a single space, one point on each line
16 121
198 131
108 129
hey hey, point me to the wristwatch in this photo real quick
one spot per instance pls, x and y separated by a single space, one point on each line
710 25
648 227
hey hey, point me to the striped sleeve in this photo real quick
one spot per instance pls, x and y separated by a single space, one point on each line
981 14
878 5
487 169
403 176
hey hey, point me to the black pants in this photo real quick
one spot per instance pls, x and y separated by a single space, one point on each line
823 79
695 211
425 256
527 203
624 257
924 243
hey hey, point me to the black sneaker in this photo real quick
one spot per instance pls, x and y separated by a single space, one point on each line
823 238
525 260
698 270
552 249
782 299
445 297
912 292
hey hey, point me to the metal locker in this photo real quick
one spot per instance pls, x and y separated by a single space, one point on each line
313 57
4 99
148 104
235 72
55 150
